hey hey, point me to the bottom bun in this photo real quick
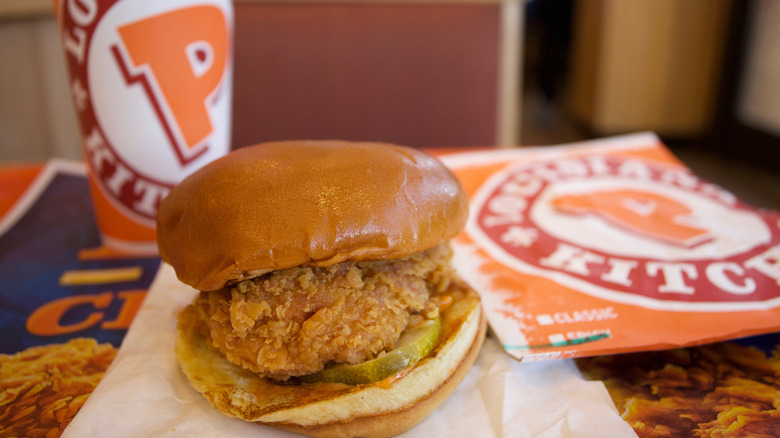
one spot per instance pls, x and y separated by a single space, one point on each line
382 409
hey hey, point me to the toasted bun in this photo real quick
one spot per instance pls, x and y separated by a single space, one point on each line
279 205
382 409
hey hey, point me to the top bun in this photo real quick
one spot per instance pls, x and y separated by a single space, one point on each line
315 203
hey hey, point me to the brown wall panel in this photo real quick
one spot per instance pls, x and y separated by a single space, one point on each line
414 74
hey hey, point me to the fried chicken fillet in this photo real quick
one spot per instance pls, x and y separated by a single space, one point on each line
294 321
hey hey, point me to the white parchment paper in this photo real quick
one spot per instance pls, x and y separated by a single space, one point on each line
145 394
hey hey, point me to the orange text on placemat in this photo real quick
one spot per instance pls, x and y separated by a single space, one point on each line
47 320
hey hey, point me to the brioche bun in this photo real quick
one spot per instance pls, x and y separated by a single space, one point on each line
316 203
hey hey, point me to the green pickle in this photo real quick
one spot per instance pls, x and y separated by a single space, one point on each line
413 345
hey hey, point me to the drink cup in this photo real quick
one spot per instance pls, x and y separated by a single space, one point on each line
151 82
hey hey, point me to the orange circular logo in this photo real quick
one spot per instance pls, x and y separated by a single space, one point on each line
631 231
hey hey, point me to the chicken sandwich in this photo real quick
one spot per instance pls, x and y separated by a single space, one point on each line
327 303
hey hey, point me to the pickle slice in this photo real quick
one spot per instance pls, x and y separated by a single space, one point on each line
413 345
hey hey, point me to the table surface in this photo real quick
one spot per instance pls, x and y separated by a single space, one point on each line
50 253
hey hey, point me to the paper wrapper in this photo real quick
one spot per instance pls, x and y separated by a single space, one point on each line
145 394
612 246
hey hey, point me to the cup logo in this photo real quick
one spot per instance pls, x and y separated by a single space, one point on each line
152 86
179 58
630 231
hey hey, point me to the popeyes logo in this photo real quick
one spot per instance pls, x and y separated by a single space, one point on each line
631 231
164 66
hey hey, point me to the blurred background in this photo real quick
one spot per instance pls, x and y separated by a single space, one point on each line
702 74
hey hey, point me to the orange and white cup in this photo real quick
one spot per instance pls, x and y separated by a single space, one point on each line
151 81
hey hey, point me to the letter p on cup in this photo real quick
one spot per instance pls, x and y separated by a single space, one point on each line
151 82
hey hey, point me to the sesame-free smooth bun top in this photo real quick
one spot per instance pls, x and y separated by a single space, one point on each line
278 205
